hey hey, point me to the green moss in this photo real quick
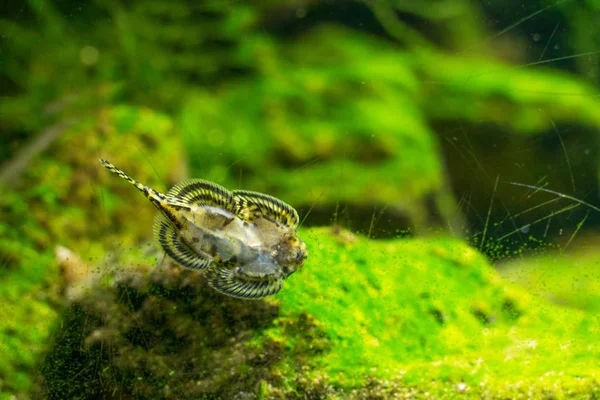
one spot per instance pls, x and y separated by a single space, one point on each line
398 317
571 279
353 117
59 201
26 320
433 314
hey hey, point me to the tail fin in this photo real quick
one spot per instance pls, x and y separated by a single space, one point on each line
151 194
168 205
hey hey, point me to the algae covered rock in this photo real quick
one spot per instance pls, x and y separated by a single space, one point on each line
166 334
58 200
570 278
361 319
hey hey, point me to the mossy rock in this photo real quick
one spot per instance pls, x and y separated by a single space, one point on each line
570 277
362 319
67 198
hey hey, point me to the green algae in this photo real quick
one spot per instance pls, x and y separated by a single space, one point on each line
318 121
436 315
27 319
397 317
58 202
571 279
355 115
519 98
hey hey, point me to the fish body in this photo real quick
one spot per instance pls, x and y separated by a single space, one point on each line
246 243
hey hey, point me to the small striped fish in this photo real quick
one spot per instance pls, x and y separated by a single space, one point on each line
245 243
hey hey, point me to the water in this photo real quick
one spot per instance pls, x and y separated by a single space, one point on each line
441 156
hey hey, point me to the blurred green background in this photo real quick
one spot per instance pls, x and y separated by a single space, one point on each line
384 119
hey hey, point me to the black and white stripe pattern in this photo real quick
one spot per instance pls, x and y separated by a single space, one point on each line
201 192
166 235
250 205
225 280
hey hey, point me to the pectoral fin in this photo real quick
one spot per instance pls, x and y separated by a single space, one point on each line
225 280
166 235
251 205
204 193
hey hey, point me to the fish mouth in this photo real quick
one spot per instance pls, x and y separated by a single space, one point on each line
301 258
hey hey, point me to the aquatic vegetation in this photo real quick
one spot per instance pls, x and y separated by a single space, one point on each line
570 278
52 204
368 123
403 317
355 155
245 242
382 125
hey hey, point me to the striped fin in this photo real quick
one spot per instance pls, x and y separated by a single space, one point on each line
226 281
172 244
167 205
251 205
205 193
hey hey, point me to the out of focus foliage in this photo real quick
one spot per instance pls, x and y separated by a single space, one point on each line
366 113
262 86
322 118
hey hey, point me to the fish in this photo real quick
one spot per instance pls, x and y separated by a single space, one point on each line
245 243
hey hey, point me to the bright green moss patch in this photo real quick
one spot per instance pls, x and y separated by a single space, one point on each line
571 279
26 320
387 318
426 312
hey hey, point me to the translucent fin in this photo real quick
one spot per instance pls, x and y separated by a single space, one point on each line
251 205
226 281
201 192
166 235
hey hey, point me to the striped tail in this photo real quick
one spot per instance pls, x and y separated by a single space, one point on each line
152 195
166 204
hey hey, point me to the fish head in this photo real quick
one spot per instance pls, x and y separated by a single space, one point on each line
291 253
